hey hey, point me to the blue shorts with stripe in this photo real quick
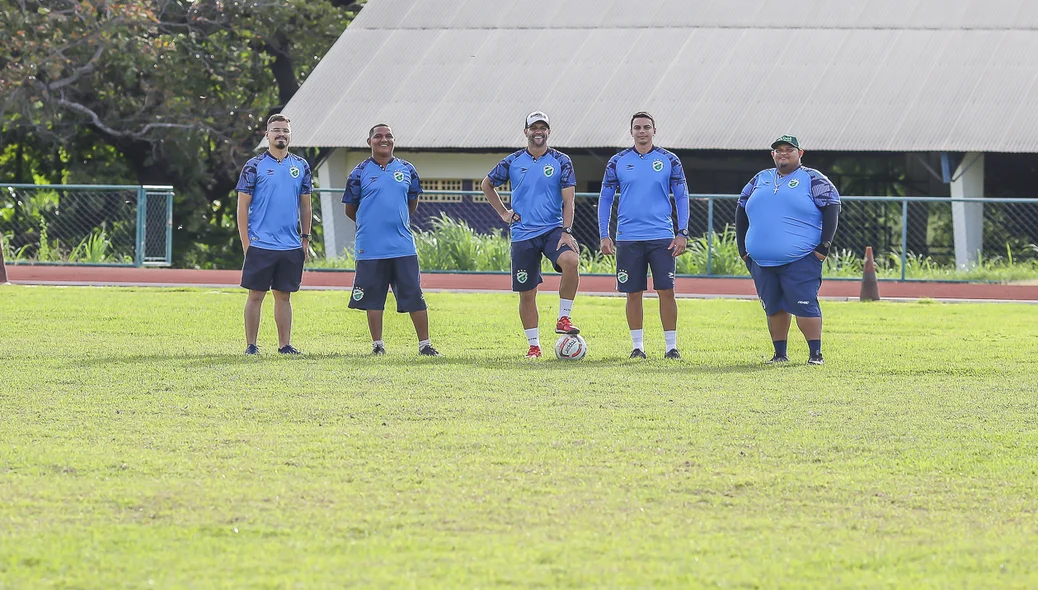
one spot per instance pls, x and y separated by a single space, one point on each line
633 261
790 287
526 258
280 270
373 279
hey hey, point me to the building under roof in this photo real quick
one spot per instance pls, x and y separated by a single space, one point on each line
876 75
939 82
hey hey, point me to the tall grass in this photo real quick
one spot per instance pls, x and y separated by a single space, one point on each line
95 248
453 245
722 250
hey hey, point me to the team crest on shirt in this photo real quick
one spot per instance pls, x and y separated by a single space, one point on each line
521 276
621 276
657 165
294 171
358 293
793 183
549 170
398 176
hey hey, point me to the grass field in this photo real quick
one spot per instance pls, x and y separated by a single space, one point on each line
141 449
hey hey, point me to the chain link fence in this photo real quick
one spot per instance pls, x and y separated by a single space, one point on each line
927 236
911 237
87 224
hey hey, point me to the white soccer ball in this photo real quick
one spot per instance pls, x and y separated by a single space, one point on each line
570 347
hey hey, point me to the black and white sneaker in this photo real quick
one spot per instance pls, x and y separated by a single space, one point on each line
251 349
428 350
289 349
637 353
777 359
815 359
673 354
378 350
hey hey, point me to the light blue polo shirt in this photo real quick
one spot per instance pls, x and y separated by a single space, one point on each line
537 185
276 188
785 221
645 182
383 218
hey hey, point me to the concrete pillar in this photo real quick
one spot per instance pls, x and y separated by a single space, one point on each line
339 231
968 218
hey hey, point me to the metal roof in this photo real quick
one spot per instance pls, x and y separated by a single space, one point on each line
873 75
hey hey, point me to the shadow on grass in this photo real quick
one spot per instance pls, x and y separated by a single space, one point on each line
408 360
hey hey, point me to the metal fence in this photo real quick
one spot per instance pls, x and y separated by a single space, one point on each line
906 233
117 225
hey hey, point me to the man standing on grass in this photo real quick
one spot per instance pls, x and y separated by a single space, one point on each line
541 221
273 205
381 195
784 225
645 175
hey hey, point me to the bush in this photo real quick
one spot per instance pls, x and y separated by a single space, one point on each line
453 245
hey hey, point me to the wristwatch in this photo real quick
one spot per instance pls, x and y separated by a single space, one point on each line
823 248
683 232
305 236
567 230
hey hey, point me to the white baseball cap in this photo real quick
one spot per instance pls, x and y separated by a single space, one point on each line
537 116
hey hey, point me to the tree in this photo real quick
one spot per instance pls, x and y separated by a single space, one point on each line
155 92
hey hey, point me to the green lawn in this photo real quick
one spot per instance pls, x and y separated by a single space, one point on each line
139 448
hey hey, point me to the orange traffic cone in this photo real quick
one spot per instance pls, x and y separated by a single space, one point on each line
869 284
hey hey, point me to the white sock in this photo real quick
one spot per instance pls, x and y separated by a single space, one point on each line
565 308
638 339
533 336
423 343
378 343
671 336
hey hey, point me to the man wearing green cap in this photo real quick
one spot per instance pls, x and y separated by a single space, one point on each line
784 225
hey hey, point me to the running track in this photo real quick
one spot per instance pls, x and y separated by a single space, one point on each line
439 281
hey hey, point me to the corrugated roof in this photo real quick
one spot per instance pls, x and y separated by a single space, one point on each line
874 75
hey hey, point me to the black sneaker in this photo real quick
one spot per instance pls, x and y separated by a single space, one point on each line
673 354
428 350
777 359
378 350
289 349
637 353
815 359
252 349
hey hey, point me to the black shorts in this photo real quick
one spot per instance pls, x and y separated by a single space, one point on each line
280 270
526 258
374 277
633 261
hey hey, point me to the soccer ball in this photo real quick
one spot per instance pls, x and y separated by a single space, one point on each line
570 347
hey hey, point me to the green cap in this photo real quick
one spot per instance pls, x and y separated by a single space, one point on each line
790 139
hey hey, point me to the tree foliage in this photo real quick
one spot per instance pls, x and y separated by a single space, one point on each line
155 92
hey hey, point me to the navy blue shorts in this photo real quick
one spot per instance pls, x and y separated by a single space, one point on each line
633 261
791 287
280 270
526 258
375 277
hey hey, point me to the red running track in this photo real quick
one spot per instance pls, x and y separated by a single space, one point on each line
688 287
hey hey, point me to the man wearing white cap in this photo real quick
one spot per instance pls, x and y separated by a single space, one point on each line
541 224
